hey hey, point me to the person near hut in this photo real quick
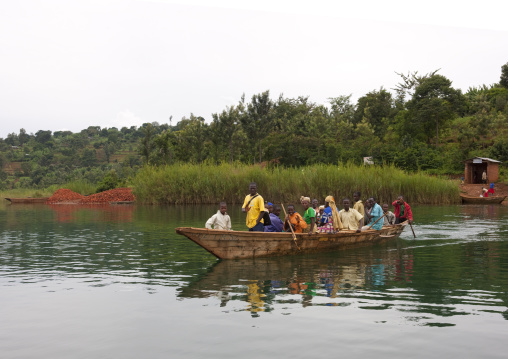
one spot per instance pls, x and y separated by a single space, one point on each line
276 224
351 219
484 177
220 220
389 216
402 211
491 190
309 215
254 206
295 220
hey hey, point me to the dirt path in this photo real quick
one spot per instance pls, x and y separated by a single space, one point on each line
476 189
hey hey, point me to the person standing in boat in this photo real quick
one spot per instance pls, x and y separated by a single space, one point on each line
351 219
402 211
220 220
358 204
276 224
254 206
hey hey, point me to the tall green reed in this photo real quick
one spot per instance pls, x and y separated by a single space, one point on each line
207 183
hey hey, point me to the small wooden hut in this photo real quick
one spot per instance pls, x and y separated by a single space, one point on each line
475 167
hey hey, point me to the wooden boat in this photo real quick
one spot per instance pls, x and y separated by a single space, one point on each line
28 200
240 244
481 200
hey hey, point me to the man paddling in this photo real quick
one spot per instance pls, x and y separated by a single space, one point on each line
402 211
254 206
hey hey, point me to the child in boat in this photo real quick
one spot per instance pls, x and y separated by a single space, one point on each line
389 216
295 220
220 220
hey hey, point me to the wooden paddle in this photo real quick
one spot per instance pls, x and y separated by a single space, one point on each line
412 229
384 214
290 226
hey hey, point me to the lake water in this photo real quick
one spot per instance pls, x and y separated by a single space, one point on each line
117 282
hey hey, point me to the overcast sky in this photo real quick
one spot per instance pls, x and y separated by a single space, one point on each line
70 64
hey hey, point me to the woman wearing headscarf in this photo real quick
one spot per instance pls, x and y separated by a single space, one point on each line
330 220
309 215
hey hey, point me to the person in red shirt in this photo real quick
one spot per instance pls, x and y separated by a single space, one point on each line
490 192
402 211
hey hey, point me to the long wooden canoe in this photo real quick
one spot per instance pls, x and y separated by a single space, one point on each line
481 200
28 200
244 244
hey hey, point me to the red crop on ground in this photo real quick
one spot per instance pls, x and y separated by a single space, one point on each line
113 195
64 195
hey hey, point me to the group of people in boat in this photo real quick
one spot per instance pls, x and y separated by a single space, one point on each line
356 215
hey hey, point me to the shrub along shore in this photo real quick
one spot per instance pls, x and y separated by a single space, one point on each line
208 184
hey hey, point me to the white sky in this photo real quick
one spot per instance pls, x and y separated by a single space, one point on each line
70 64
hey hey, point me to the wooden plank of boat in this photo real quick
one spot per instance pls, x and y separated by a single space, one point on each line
481 200
28 200
244 244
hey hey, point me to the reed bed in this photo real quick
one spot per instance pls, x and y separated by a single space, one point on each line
206 183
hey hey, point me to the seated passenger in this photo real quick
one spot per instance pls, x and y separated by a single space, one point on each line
294 220
389 216
220 220
277 225
309 216
330 220
350 217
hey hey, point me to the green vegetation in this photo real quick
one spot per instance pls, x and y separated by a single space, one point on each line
209 183
425 127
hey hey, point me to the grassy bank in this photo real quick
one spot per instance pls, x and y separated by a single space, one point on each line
186 183
80 186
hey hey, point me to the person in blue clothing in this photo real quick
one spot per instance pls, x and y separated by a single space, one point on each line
277 225
376 212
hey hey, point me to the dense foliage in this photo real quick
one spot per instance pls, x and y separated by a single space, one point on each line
425 125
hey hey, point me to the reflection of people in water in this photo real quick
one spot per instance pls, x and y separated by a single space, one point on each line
254 295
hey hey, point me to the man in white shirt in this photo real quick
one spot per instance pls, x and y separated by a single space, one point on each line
220 220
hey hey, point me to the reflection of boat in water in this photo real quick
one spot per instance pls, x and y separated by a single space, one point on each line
237 244
28 200
481 200
263 281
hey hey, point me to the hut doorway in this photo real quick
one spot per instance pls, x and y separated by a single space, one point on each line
478 169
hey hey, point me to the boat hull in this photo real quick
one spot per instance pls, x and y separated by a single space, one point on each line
239 244
482 200
28 200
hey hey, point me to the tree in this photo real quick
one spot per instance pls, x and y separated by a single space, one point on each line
258 119
433 104
147 142
504 76
376 107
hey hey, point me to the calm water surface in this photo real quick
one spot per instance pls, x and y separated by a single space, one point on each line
117 282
